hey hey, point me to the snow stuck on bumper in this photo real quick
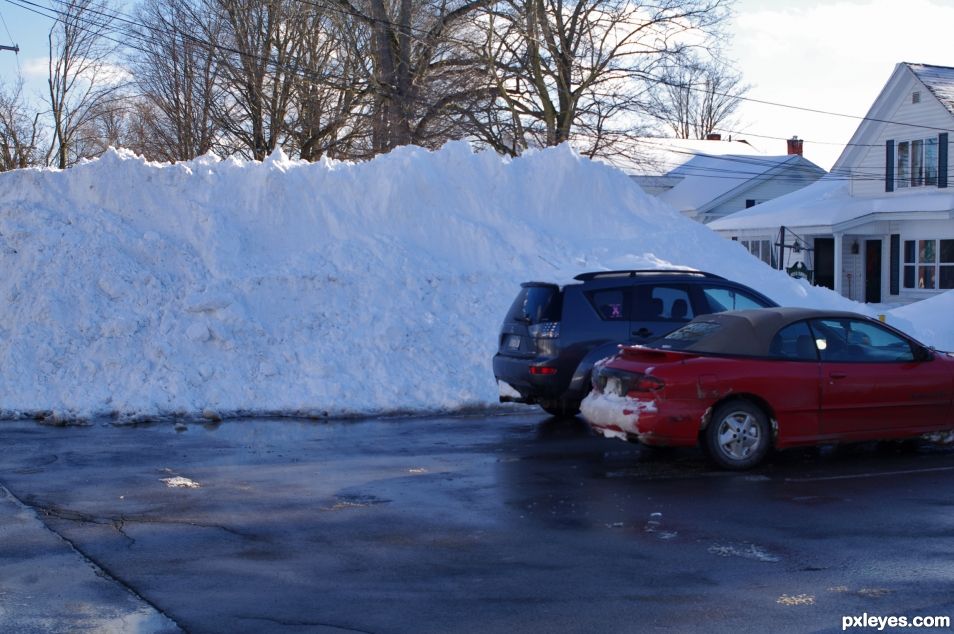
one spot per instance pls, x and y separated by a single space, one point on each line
614 416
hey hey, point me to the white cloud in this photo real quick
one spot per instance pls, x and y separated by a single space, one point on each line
833 57
37 68
34 68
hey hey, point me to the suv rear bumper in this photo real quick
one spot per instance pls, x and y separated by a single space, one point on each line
516 372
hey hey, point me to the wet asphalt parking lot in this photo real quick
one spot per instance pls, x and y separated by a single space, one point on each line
516 522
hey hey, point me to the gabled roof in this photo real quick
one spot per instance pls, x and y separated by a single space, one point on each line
829 204
709 180
938 79
656 156
701 174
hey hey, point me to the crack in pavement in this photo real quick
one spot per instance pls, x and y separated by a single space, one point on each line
100 568
119 523
51 510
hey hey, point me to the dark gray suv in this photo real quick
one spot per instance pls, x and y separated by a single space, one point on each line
552 336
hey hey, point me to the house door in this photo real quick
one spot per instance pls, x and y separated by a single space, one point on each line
825 262
873 271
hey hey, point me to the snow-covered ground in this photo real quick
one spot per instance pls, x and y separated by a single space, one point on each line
132 289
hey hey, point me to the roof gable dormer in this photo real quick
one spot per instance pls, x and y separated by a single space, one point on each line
903 141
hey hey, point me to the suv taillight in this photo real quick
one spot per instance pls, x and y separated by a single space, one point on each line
545 330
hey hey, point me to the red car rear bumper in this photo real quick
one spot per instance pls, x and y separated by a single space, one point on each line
673 424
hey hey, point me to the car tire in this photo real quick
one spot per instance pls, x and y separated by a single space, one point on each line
738 435
561 408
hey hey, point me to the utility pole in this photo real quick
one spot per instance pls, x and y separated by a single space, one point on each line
14 48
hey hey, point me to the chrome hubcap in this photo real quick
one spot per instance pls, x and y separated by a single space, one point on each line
739 435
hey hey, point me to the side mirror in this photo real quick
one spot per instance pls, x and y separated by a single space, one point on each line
922 354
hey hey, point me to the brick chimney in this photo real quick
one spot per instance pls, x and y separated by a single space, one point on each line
795 146
713 136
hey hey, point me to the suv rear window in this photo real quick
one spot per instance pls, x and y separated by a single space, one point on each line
537 303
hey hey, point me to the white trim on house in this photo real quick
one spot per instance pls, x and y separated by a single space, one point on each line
860 202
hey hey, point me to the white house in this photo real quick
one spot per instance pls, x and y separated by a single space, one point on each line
880 227
709 179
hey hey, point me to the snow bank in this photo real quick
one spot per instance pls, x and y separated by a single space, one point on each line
931 319
133 289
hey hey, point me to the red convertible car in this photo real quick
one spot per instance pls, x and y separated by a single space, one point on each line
743 382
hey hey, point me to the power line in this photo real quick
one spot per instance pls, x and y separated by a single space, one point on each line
105 20
748 166
140 35
14 48
411 30
742 134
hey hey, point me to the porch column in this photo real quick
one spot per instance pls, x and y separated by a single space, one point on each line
838 275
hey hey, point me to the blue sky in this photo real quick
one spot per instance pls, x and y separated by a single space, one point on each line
23 28
833 56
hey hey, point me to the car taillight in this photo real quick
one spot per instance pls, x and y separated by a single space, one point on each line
545 330
539 369
645 383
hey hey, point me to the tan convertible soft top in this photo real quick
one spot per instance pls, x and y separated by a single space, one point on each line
750 332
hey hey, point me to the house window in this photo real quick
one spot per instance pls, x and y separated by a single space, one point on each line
929 264
916 163
762 249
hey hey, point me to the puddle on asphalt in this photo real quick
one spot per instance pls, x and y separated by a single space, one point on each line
356 501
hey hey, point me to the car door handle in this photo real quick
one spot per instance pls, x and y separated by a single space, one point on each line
837 375
643 332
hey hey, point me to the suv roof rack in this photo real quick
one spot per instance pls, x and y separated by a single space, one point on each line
585 277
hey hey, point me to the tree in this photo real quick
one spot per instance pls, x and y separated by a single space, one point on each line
83 83
176 73
582 70
259 62
19 130
425 79
697 97
330 96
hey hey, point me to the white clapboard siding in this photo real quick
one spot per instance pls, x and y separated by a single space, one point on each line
868 175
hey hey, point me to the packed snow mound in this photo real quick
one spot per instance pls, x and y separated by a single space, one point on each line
224 287
932 319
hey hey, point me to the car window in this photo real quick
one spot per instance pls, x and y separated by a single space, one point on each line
721 299
857 341
663 303
537 304
794 342
610 304
682 338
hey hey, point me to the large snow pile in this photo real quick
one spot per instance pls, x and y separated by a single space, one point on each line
133 289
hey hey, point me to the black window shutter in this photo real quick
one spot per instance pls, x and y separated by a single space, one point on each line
889 166
942 159
895 271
